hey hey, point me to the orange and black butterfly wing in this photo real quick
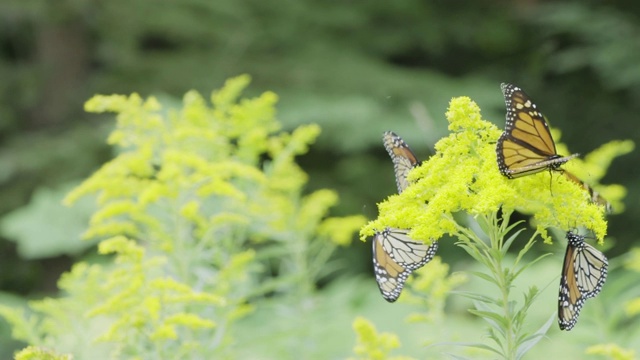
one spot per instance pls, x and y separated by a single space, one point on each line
395 257
584 272
526 146
403 158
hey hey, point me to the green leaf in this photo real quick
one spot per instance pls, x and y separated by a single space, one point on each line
529 264
475 253
46 228
454 356
498 339
484 276
532 340
510 240
471 345
476 296
496 321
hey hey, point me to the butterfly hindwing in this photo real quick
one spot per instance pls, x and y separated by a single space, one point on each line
395 257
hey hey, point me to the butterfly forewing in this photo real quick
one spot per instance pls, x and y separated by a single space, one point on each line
403 158
522 160
528 124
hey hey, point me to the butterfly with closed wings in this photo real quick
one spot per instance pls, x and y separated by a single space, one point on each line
583 274
395 254
526 146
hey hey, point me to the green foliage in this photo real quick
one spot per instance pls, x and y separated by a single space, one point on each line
506 317
45 228
355 69
192 192
603 40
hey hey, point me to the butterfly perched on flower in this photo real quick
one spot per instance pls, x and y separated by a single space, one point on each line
395 254
584 272
526 146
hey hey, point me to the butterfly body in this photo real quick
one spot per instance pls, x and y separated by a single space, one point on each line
395 254
526 146
584 272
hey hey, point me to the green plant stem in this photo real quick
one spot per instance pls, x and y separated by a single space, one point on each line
504 316
501 275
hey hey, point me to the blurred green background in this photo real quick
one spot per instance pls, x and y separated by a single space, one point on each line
355 68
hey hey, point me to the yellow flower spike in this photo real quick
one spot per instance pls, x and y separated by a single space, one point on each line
611 351
463 114
152 306
315 206
38 353
105 103
340 230
230 92
373 346
152 104
164 332
593 167
596 163
190 320
632 307
122 246
434 284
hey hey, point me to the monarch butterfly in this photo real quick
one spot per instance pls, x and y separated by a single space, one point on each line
403 158
594 195
583 273
395 254
526 146
395 257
